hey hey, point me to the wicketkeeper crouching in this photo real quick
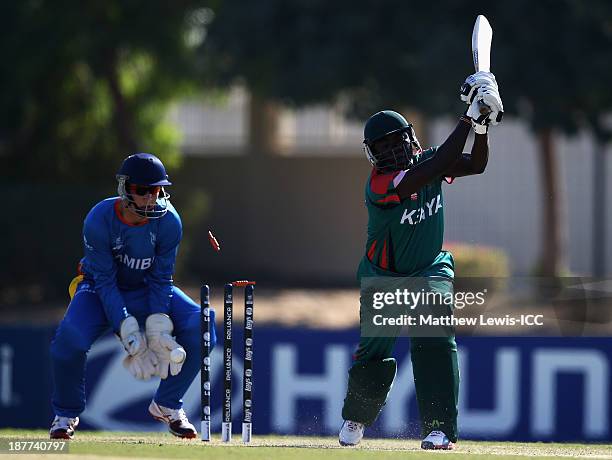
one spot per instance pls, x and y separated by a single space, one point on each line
124 283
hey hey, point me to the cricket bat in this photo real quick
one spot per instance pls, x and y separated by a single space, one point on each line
481 51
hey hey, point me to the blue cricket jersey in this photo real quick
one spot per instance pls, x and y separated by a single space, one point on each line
121 256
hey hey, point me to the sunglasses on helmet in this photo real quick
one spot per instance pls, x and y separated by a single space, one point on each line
142 190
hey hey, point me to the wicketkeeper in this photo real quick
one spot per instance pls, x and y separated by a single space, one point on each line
405 233
125 284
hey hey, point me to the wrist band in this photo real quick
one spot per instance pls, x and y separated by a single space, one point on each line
465 119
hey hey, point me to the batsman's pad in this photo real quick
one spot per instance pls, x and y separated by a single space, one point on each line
368 387
436 380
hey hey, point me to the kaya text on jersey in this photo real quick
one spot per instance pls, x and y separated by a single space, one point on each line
416 216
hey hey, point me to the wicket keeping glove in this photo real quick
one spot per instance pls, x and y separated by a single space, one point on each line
473 83
140 361
158 330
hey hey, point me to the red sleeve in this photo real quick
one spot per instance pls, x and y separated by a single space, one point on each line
381 190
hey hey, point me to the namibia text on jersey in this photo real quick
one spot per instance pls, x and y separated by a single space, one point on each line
134 263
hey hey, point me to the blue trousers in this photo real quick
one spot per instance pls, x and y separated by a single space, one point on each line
85 321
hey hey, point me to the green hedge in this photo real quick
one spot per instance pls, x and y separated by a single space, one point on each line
477 260
489 264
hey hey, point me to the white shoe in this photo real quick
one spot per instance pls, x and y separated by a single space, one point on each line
350 433
63 427
178 423
437 440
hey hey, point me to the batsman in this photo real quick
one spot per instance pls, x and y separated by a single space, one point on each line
405 205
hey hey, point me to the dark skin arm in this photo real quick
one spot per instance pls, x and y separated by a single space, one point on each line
474 163
445 159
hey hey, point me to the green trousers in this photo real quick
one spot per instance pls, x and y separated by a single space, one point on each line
436 379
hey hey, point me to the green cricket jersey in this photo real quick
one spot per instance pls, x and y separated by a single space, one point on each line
405 237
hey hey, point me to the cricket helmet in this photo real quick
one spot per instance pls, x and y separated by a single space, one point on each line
144 170
390 141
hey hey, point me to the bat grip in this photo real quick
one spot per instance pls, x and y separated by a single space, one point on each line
483 108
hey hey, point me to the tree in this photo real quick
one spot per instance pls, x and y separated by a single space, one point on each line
595 107
308 52
558 85
83 84
86 83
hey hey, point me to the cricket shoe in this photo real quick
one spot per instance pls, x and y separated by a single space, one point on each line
350 433
63 427
178 423
437 440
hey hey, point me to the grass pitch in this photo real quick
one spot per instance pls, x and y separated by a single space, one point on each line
115 445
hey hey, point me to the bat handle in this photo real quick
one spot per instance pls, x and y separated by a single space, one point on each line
483 108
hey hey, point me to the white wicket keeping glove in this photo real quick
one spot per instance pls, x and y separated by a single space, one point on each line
140 361
158 330
473 82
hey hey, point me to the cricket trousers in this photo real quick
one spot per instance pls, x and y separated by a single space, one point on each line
85 321
435 370
436 377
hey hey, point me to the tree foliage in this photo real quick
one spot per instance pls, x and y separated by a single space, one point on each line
86 83
378 53
551 54
555 61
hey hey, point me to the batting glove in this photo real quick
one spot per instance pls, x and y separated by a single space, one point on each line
489 97
473 83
